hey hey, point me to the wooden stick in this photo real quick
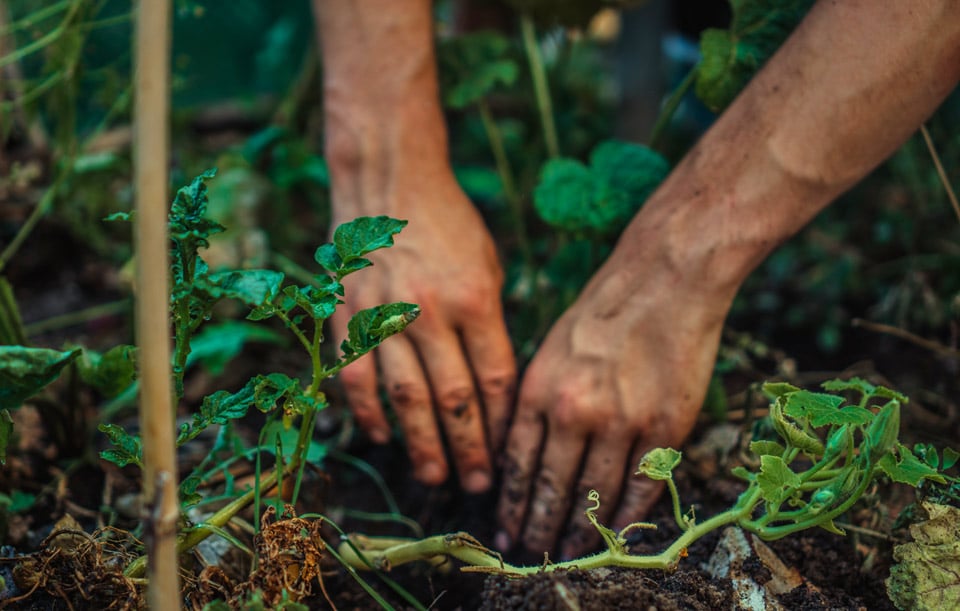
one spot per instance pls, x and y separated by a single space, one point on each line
151 154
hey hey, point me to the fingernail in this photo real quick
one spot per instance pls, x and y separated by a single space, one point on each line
431 473
380 436
501 541
476 481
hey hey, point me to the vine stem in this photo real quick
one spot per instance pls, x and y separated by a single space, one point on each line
384 553
35 216
514 201
940 171
540 88
670 107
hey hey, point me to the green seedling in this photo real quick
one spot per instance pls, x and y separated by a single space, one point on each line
827 453
302 309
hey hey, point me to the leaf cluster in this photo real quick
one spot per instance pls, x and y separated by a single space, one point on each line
474 65
731 57
599 198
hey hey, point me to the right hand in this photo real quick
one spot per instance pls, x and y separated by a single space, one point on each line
454 366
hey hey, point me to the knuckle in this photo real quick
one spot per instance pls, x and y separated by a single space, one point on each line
496 383
455 400
405 394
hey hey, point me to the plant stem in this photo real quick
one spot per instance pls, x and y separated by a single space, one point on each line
38 213
121 306
540 88
45 40
514 201
940 171
670 107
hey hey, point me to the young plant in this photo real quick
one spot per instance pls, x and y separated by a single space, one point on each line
827 454
302 309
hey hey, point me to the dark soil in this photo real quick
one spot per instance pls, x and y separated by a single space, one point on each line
845 573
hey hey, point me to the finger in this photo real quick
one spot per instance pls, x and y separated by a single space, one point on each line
640 493
359 380
410 396
491 356
458 405
551 490
520 460
603 472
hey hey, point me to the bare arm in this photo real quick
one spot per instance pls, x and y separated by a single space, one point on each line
626 368
386 145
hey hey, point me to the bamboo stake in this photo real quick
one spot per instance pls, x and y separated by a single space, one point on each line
152 143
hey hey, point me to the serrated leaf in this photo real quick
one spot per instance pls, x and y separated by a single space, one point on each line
858 384
731 57
926 576
362 236
318 303
273 387
601 198
6 430
111 372
126 448
659 463
906 468
774 390
473 65
367 328
743 473
821 409
775 479
254 287
326 255
26 371
762 447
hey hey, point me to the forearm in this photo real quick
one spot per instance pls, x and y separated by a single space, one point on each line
383 120
852 83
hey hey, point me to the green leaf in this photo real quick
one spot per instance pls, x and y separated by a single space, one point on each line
25 371
659 463
950 457
216 345
789 432
367 328
119 216
326 255
6 430
743 473
320 304
289 436
926 576
254 287
777 482
731 57
774 390
906 468
473 65
359 237
126 448
601 198
858 384
820 409
884 430
111 372
763 447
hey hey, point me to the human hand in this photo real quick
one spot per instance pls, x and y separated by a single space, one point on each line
455 364
624 370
